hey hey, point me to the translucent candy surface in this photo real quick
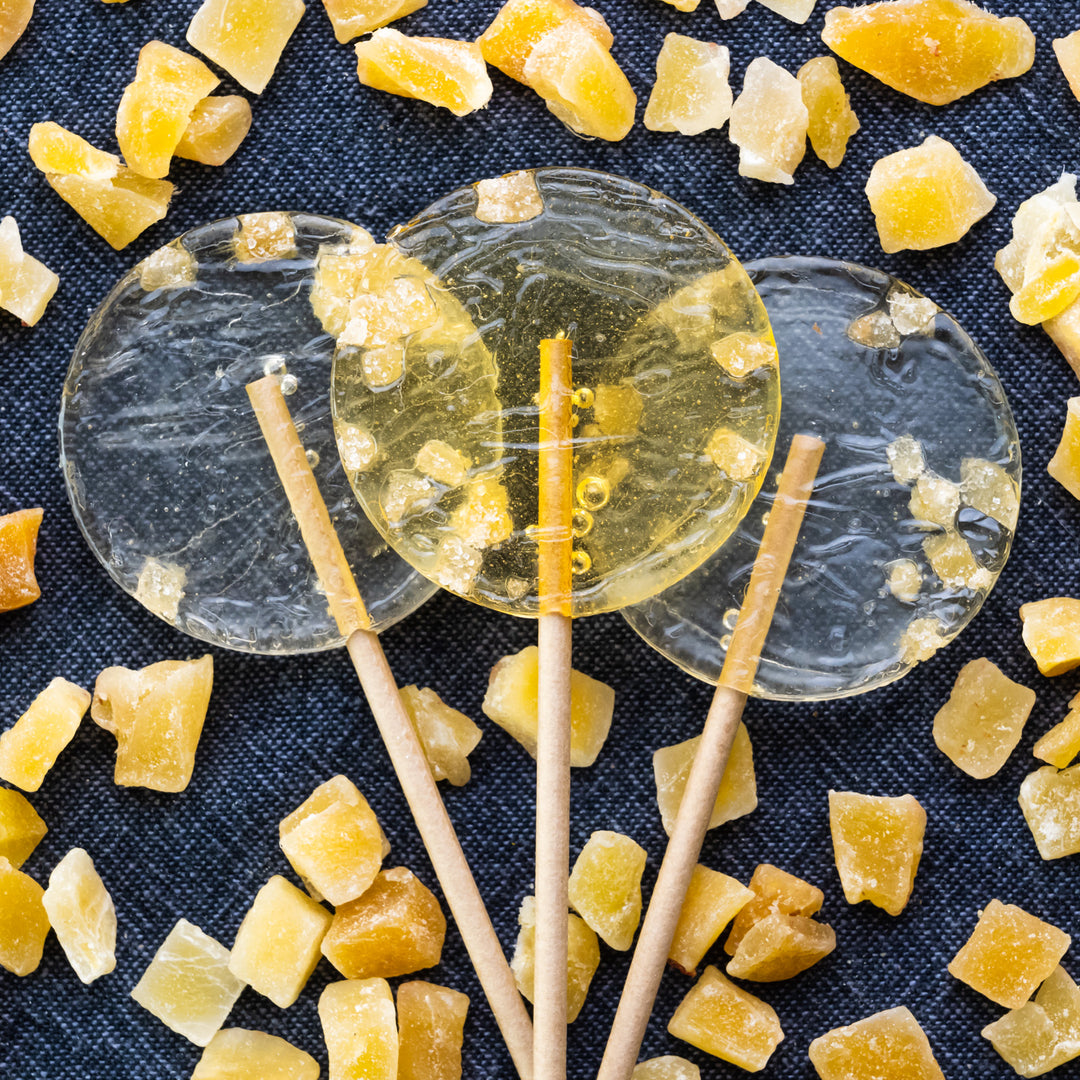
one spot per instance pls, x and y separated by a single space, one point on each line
769 123
81 912
18 546
889 1043
1064 466
236 1054
30 748
691 93
779 947
712 901
832 121
23 922
446 735
26 284
1052 633
774 890
217 127
21 828
838 629
1050 801
605 886
360 1030
431 1021
351 18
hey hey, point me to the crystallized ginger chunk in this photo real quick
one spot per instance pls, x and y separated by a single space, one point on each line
360 1030
14 18
832 120
1048 292
1067 50
769 123
935 500
773 890
483 519
24 924
446 735
779 947
796 11
691 93
737 458
236 1054
605 887
442 463
431 1020
1061 743
26 284
81 912
742 353
217 127
1052 633
905 580
906 459
266 236
509 199
668 1067
988 488
1064 466
888 1044
18 546
29 749
1050 801
21 827
352 18
712 900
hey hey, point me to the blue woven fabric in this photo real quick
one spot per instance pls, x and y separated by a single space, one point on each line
277 727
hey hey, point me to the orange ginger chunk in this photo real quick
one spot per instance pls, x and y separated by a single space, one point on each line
780 947
1067 50
18 546
832 119
360 1030
236 1054
774 890
23 922
691 93
1050 801
935 51
605 886
446 736
684 5
1052 633
81 912
887 1044
1009 954
14 18
21 827
712 901
1064 466
351 18
217 127
431 1020
29 749
26 284
1061 743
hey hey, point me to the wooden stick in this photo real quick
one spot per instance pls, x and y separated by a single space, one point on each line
710 759
553 733
402 744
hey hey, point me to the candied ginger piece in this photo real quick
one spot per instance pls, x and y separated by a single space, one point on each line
605 886
358 448
691 93
736 457
360 1029
29 749
262 237
877 843
1050 801
769 123
237 1054
583 958
511 701
779 947
668 1067
1067 51
905 580
910 314
81 912
832 119
161 585
157 716
446 735
737 796
341 272
509 199
1061 743
18 546
1043 227
456 564
431 1019
21 827
188 985
1052 633
617 408
921 639
483 519
245 37
727 1022
14 19
1064 466
712 901
217 127
352 18
167 268
742 353
988 488
728 9
774 890
442 463
796 11
24 925
906 459
334 842
874 330
926 197
1048 292
935 51
54 149
935 500
26 285
278 945
684 5
889 1043
952 559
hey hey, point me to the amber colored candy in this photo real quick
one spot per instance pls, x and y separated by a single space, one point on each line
18 546
742 353
691 93
1052 633
1061 743
832 121
26 284
29 749
351 18
1009 954
727 1022
279 943
266 236
397 927
780 947
334 842
446 736
888 1044
21 827
1067 50
712 901
512 702
217 127
24 924
360 1030
14 18
932 50
583 958
81 912
1050 801
431 1022
605 886
157 716
737 796
483 519
774 890
769 123
237 1054
668 1067
1064 466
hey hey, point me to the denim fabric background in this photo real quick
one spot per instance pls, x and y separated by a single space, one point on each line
277 728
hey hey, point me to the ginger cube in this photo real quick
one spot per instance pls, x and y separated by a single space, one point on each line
780 947
617 408
1064 466
712 901
911 314
405 493
1050 801
29 749
236 1054
431 1020
157 716
906 459
352 18
773 890
920 640
442 463
737 796
742 353
583 958
691 93
24 924
245 37
1009 954
875 330
21 827
668 1067
727 1022
217 127
796 11
981 723
397 927
684 5
334 842
54 149
1047 292
360 1030
483 519
446 735
81 912
169 267
1052 633
14 18
509 199
728 9
1061 743
26 285
832 121
936 51
769 123
279 943
1067 51
18 546
988 488
605 887
935 500
926 197
188 985
887 1044
511 701
266 236
737 458
456 564
905 580
951 558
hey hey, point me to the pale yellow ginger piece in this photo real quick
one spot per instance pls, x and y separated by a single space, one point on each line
383 366
905 580
188 985
1052 633
217 127
727 1022
583 958
245 37
26 285
1061 743
796 11
352 18
169 267
668 1067
406 494
774 890
910 314
509 199
1046 294
921 639
21 827
483 519
266 236
684 5
341 273
14 18
1050 801
737 796
385 316
617 409
712 901
926 197
728 9
157 716
431 1020
24 925
832 120
279 943
161 586
29 749
605 886
456 564
742 353
737 458
691 93
1043 227
447 736
360 1030
887 1044
511 701
54 149
982 722
358 448
988 488
935 500
874 330
951 558
237 1054
81 912
442 463
780 947
906 459
1064 466
334 842
877 843
769 123
1067 50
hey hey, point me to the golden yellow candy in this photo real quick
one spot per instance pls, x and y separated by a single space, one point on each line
30 748
23 922
935 500
217 127
21 827
446 735
888 1044
1050 801
712 901
18 546
668 1067
691 93
1064 466
351 18
81 912
1052 633
236 1054
1067 50
774 890
832 120
769 123
796 11
26 284
264 237
605 887
780 947
431 1020
987 487
360 1030
14 18
1061 743
1049 293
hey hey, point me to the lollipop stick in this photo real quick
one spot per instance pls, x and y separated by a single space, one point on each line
553 732
402 744
710 759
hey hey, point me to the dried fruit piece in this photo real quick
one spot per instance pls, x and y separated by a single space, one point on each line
926 197
1052 633
21 827
796 11
23 922
217 127
605 886
266 236
161 585
1067 50
728 9
742 353
442 463
29 749
774 890
508 199
1009 954
935 500
684 5
712 901
157 716
935 51
780 947
909 312
188 985
26 285
18 546
81 912
988 488
920 640
832 120
351 18
360 1030
446 735
483 519
1064 466
906 459
236 1054
889 1043
431 1020
874 330
1048 292
905 580
14 18
1050 801
691 93
668 1067
727 1022
1062 742
769 123
951 558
